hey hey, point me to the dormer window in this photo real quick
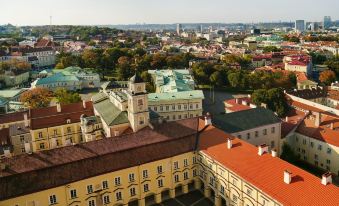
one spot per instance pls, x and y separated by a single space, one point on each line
68 121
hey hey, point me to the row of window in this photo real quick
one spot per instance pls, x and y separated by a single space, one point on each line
320 147
256 133
174 107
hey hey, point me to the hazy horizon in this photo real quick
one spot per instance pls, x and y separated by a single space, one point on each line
114 12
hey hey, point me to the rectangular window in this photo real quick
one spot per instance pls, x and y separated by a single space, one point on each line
176 178
312 144
117 181
161 108
191 106
319 147
118 196
52 199
329 150
159 168
132 191
328 161
42 146
185 162
145 174
304 141
160 183
146 188
194 172
69 130
131 177
222 189
197 106
265 132
89 189
141 120
40 134
173 107
104 185
91 203
22 139
273 130
248 135
73 194
194 160
315 156
167 108
272 144
185 106
55 132
176 165
106 199
256 133
140 102
185 175
179 106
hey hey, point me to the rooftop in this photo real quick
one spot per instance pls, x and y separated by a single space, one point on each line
74 163
245 120
194 94
266 172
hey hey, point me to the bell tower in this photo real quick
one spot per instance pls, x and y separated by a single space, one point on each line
138 114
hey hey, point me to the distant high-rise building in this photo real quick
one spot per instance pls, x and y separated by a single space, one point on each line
179 29
313 26
327 22
299 25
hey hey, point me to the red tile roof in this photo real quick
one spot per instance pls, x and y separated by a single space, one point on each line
323 132
49 116
266 172
236 107
12 117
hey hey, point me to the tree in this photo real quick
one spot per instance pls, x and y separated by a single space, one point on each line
91 58
65 97
268 49
218 78
327 77
59 66
36 98
124 68
288 154
273 98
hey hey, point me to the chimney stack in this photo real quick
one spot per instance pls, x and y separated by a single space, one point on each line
332 126
84 104
58 106
274 153
262 149
287 177
264 105
286 119
229 143
236 100
26 121
326 178
317 119
244 102
208 119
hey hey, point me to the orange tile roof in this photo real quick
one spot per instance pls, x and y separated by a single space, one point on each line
305 106
238 107
323 132
293 118
266 172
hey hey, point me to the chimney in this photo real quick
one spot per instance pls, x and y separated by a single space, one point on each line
244 102
58 106
26 121
208 119
317 119
326 178
287 177
264 105
262 149
274 153
332 126
236 100
229 143
7 152
28 148
286 119
84 104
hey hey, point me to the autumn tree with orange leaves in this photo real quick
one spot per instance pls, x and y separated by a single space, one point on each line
36 98
327 77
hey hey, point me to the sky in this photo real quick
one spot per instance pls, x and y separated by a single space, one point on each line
104 12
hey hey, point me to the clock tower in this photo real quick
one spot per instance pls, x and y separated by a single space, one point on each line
138 114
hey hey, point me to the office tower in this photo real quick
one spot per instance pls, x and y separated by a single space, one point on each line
299 25
179 29
327 22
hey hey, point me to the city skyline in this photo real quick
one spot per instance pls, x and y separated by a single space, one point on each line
106 12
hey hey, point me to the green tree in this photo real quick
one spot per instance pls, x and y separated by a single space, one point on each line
327 77
268 49
218 78
288 154
274 99
124 68
66 97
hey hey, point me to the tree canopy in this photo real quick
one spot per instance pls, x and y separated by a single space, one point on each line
36 98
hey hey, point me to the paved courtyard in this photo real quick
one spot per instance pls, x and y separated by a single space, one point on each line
194 198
